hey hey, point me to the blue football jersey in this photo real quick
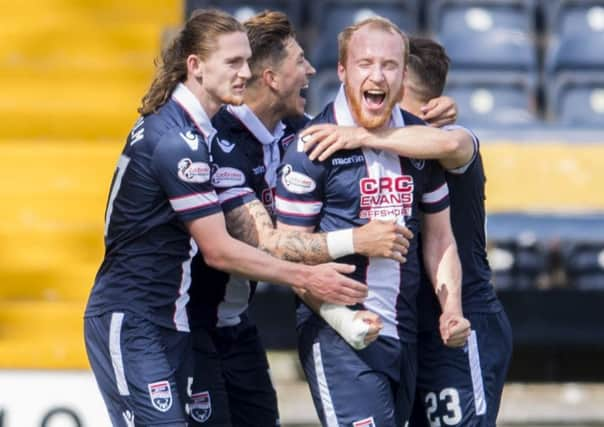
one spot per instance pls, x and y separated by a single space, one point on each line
467 195
244 168
351 188
163 179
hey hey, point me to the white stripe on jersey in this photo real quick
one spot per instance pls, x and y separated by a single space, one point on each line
480 403
181 319
115 351
328 410
193 201
233 193
384 275
236 297
436 195
297 208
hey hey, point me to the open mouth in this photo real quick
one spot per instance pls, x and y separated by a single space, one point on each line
374 97
304 91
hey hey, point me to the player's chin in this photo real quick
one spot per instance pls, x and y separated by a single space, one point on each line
233 99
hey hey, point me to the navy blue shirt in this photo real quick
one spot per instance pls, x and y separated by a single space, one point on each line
349 189
162 180
244 168
467 195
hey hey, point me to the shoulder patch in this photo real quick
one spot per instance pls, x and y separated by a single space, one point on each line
227 177
196 172
296 182
191 139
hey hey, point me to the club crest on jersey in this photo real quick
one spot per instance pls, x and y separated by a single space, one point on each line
296 182
195 172
191 139
227 177
366 422
225 145
386 197
418 164
201 406
161 395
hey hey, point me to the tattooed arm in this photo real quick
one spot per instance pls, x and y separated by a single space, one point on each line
252 224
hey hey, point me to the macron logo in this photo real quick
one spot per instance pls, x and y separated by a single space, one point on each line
225 145
191 139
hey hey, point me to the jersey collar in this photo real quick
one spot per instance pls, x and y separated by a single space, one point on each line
255 126
344 116
185 98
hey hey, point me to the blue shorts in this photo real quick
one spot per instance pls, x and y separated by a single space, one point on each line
141 368
463 386
232 384
357 388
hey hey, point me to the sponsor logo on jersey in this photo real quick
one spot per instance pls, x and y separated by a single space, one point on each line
286 141
196 172
161 395
386 197
366 422
418 164
225 145
227 177
340 161
259 170
191 139
296 182
201 406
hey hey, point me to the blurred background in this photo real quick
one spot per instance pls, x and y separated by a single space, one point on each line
528 77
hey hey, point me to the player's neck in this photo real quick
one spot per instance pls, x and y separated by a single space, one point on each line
263 107
209 104
412 105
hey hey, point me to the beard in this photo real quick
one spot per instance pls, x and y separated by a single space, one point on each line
232 99
366 120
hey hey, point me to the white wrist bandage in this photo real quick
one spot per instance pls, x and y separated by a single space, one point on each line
342 320
340 243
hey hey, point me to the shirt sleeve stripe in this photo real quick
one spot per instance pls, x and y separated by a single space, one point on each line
436 195
193 201
297 207
233 193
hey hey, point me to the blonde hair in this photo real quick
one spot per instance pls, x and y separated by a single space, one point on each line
377 22
197 37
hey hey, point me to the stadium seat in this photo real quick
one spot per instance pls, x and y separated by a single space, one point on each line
584 264
568 16
332 16
322 90
517 264
485 99
577 99
492 35
244 9
574 64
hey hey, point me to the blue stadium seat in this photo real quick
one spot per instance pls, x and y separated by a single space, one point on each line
577 99
568 16
323 89
486 99
574 65
331 16
516 264
244 9
584 265
486 34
